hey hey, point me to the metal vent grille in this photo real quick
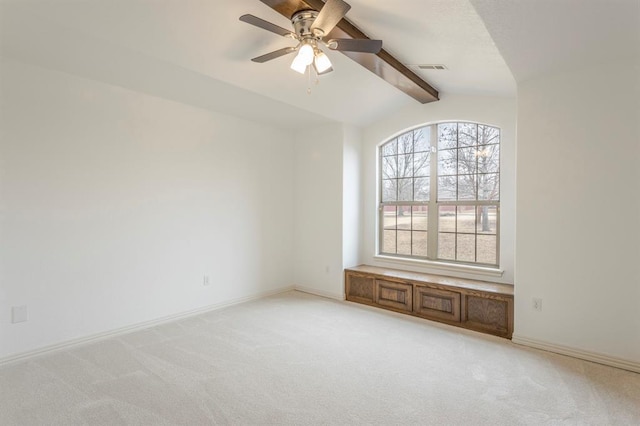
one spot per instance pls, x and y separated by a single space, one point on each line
432 67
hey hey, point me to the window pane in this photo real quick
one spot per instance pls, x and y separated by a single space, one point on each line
405 189
404 217
389 241
488 159
488 135
487 220
447 218
420 218
489 187
466 219
447 162
447 136
421 189
467 134
467 161
389 190
404 242
421 164
405 143
390 148
389 217
487 249
419 243
467 187
447 188
405 166
422 140
447 246
390 167
466 248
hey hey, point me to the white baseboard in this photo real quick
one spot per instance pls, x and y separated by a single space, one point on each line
321 293
578 353
139 326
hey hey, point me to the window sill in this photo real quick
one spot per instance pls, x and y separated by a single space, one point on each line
443 266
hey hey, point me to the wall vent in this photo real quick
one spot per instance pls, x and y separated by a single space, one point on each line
432 67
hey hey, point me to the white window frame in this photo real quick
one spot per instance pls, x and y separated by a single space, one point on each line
433 205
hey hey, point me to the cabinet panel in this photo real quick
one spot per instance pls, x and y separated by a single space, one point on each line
394 295
491 314
438 304
360 288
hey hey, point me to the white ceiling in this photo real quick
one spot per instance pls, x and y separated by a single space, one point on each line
198 52
537 37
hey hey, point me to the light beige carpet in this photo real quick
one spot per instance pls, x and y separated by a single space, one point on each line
301 359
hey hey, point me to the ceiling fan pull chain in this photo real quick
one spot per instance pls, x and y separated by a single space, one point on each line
309 80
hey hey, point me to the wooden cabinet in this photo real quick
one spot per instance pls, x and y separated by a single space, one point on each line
436 304
360 288
394 295
477 305
493 314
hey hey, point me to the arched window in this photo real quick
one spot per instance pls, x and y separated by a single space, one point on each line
440 194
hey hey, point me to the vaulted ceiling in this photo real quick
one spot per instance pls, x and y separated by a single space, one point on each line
198 52
537 37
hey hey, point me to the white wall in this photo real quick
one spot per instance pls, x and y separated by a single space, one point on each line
318 210
115 204
499 112
578 221
351 197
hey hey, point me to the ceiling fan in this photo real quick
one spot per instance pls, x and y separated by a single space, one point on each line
309 29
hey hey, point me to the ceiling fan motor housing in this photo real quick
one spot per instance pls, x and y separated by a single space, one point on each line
302 22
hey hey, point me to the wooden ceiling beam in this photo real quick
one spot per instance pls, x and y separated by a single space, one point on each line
383 64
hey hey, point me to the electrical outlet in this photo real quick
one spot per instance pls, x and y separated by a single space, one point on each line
537 304
19 314
206 281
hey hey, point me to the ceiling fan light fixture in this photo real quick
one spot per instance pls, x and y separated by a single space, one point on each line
306 54
322 62
298 65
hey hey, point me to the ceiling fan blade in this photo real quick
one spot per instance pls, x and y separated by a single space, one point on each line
273 55
330 14
266 25
355 45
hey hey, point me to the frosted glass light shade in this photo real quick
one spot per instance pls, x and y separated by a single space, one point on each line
322 62
298 65
306 54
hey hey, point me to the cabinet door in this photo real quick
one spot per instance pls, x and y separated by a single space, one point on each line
360 288
436 304
394 295
492 314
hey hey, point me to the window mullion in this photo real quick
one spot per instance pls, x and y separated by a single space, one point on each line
432 218
379 243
